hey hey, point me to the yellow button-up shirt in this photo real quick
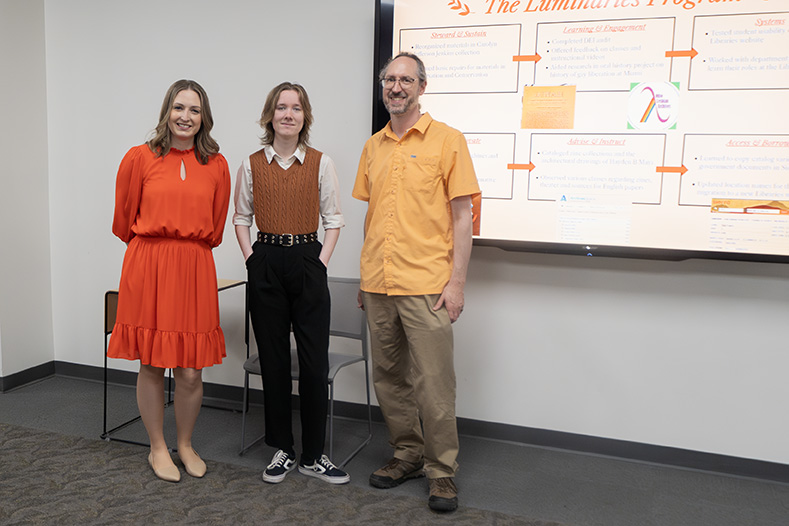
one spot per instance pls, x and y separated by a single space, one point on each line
408 183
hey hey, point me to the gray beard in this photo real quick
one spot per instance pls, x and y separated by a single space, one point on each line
399 110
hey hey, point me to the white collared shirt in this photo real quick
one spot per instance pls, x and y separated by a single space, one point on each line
331 214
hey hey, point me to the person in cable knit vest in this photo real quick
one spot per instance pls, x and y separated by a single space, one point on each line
289 188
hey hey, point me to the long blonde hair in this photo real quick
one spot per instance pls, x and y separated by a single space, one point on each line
205 145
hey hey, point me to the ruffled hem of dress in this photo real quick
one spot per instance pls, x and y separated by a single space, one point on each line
167 349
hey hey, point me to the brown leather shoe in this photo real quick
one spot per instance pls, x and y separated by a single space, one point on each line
443 494
396 472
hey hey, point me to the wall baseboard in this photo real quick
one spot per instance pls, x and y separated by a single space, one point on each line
21 378
231 397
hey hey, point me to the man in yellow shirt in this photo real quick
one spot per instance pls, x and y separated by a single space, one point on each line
418 179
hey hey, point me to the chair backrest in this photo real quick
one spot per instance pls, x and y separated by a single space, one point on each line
110 310
347 320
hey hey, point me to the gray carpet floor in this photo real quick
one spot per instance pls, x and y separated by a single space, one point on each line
50 478
500 483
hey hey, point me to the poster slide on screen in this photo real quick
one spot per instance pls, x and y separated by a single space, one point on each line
643 123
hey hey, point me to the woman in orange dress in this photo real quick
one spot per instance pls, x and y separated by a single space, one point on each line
171 201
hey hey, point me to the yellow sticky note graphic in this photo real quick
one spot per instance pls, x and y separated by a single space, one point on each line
548 107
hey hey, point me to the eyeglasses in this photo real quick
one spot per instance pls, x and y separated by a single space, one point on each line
405 82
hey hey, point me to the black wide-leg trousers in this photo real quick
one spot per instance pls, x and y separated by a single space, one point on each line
288 288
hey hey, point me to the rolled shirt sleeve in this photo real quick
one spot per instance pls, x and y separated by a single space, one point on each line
331 211
243 196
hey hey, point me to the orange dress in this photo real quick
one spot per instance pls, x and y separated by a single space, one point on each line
168 307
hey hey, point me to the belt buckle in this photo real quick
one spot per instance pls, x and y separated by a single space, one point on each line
290 241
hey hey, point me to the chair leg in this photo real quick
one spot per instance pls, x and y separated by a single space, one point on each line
331 420
369 420
169 388
369 404
244 409
104 433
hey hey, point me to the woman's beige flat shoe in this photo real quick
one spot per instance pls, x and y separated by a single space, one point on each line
169 473
195 468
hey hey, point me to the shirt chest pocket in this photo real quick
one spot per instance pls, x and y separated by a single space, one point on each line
422 173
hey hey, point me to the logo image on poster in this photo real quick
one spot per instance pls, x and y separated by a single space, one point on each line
653 106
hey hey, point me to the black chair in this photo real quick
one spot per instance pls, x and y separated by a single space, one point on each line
110 312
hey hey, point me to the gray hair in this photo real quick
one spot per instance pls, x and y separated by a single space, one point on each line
420 66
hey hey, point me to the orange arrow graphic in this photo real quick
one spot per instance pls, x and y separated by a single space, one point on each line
529 167
672 169
683 53
526 58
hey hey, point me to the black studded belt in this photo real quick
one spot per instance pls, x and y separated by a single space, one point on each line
287 240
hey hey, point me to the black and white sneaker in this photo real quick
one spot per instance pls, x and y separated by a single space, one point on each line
325 470
281 465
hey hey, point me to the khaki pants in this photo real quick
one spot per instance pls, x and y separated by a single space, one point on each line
414 375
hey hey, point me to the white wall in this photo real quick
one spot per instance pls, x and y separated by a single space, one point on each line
684 354
25 288
109 65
